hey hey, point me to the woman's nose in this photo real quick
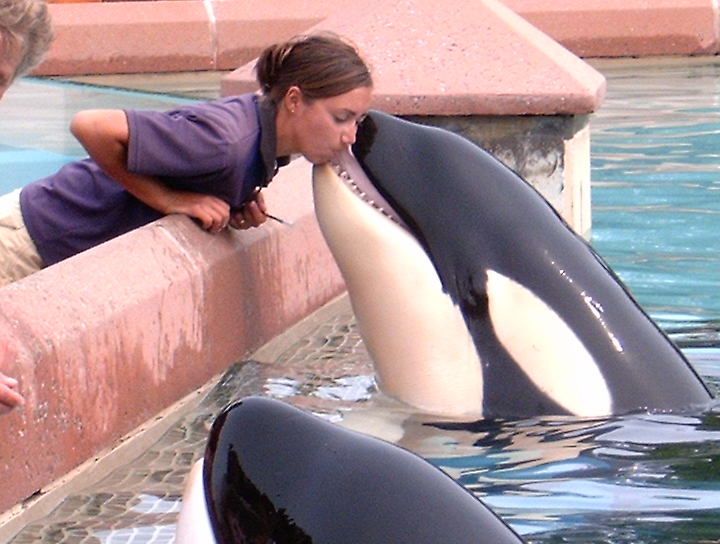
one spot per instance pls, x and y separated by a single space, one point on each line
348 136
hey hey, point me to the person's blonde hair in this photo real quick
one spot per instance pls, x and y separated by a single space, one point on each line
320 65
25 28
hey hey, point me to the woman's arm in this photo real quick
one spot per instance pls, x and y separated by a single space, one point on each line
104 134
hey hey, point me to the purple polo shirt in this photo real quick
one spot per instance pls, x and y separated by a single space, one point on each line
225 148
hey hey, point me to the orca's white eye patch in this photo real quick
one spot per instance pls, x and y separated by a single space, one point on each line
546 348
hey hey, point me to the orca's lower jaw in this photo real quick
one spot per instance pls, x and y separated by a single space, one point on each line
416 336
349 171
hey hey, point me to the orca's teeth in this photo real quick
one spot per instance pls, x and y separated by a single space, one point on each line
345 177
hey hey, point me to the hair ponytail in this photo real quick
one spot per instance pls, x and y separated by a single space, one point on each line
320 65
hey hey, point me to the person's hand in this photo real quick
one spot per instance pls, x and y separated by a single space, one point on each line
251 214
9 396
211 212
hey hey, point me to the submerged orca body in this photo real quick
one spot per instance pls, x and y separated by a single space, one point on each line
474 297
273 473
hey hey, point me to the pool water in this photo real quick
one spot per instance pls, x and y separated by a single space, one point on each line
656 187
35 139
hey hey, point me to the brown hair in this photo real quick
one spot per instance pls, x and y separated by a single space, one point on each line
26 28
321 65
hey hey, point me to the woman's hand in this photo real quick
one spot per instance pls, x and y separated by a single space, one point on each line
251 214
9 396
211 212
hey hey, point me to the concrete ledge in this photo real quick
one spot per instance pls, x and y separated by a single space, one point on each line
485 60
182 35
625 28
244 29
171 35
122 37
113 336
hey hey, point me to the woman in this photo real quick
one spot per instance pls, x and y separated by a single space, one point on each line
208 161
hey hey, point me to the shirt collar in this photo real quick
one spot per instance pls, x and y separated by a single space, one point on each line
268 138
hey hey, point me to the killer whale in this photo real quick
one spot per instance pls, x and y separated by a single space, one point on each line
275 473
474 297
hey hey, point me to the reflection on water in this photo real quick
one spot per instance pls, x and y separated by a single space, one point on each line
634 479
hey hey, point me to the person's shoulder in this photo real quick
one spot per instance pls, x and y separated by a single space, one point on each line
242 107
243 101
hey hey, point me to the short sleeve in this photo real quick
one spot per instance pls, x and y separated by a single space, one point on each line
190 141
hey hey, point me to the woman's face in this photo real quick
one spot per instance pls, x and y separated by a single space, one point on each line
321 128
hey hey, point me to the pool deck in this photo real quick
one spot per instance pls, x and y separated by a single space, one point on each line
173 35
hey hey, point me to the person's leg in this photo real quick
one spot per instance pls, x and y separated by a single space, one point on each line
18 254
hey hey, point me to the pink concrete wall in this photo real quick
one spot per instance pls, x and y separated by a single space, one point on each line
172 35
115 335
624 28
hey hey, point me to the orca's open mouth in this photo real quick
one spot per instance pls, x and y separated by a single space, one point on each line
348 169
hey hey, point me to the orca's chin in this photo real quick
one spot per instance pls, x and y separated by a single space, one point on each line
194 522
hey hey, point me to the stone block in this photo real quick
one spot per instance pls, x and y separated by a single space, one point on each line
626 28
129 37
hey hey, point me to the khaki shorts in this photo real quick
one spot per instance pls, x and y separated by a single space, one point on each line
18 255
